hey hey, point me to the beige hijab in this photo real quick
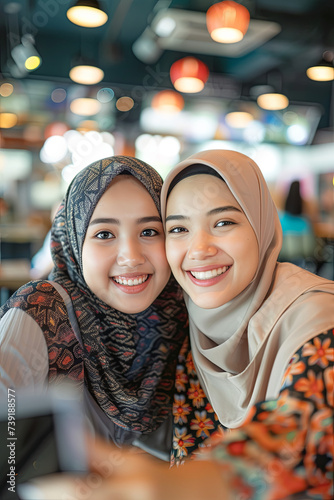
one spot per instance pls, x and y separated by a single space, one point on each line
241 349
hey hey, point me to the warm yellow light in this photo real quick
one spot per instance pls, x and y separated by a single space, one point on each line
168 101
238 119
8 120
32 63
89 17
273 101
85 106
189 74
321 73
227 35
6 89
189 84
87 75
124 103
87 126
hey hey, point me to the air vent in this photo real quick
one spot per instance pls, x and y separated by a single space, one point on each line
190 34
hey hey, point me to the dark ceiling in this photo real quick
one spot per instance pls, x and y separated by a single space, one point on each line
302 30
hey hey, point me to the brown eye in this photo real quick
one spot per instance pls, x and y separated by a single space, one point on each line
149 232
104 235
176 230
222 223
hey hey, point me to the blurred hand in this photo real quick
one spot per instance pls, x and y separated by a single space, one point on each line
130 475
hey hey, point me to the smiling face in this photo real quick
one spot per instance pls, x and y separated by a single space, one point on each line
211 246
123 255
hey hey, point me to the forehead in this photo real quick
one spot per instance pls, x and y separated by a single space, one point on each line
121 182
200 192
125 191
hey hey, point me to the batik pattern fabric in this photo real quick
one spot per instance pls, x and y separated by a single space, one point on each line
42 302
127 361
286 445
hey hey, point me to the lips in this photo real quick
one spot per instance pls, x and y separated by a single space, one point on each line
208 277
132 283
212 273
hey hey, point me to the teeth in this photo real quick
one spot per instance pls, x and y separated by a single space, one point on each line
130 281
205 275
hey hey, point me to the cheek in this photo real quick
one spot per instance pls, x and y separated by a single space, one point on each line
94 258
245 244
159 258
173 255
249 253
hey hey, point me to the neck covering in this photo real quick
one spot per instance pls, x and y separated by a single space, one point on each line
241 349
129 359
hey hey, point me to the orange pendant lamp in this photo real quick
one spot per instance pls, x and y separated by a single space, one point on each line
168 101
227 21
189 75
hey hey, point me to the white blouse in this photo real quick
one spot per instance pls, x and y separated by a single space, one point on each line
24 358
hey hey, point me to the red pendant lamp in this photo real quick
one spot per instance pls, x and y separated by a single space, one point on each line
189 75
227 21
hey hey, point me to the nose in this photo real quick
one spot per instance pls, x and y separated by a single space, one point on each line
201 246
130 253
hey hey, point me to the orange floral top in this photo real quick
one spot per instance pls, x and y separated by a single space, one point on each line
285 448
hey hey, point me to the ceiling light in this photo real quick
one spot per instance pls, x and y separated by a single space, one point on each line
227 21
105 95
124 104
25 55
238 119
58 95
324 70
86 75
189 75
168 101
8 120
87 13
85 106
87 126
6 89
273 101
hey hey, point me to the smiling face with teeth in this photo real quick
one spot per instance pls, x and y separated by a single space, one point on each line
211 246
123 254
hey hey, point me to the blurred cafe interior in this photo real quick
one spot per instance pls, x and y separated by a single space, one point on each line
160 80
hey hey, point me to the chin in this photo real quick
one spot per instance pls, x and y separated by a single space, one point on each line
133 310
205 303
209 301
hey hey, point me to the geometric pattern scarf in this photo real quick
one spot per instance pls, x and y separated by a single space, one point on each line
129 360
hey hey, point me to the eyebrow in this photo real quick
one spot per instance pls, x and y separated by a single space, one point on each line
110 220
214 211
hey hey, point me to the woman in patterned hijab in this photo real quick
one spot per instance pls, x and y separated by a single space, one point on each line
123 354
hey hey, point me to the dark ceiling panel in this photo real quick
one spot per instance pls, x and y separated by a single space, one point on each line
306 31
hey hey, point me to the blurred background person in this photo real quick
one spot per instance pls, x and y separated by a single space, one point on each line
41 262
298 237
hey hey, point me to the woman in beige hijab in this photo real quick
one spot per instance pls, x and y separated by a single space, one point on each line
259 330
262 349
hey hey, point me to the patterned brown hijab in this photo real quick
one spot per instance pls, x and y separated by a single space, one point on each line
129 360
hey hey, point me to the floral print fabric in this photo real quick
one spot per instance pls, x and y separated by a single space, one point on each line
194 418
285 446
